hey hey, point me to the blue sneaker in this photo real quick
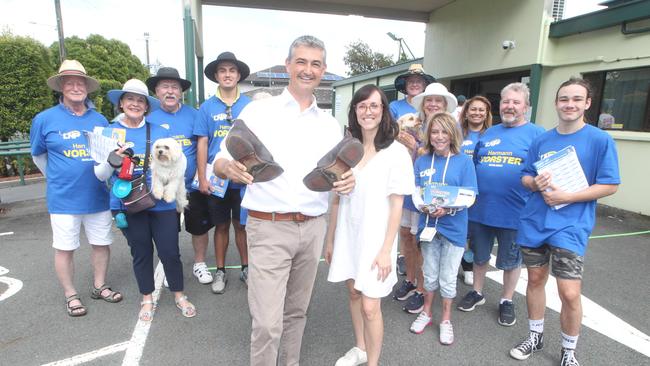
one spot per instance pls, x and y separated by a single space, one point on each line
415 304
507 316
404 291
471 301
401 265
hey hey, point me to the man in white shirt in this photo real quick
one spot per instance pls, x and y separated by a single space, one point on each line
286 224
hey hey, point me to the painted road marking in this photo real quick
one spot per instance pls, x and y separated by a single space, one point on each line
14 285
7 233
92 355
594 316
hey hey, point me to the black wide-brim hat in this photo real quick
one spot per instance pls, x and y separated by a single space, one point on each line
167 73
414 69
244 71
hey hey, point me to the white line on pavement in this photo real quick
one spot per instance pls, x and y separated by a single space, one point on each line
141 331
7 233
89 356
13 285
594 316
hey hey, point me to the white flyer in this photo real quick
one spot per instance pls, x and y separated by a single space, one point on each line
566 171
102 141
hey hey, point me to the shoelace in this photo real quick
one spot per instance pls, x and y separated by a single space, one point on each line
568 358
447 330
527 345
422 319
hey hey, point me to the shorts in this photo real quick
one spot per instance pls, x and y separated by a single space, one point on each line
482 240
410 219
440 266
566 264
66 229
197 214
222 210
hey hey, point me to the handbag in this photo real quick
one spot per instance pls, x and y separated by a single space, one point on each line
140 197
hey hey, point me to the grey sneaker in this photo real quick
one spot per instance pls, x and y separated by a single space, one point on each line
507 316
243 276
471 301
569 357
219 283
533 343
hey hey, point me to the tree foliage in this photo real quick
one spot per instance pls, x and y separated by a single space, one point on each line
24 68
360 58
109 61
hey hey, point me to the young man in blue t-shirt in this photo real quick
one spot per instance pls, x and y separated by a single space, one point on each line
559 235
214 120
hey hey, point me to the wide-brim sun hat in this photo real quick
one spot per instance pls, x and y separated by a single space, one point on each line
134 86
72 68
167 73
244 70
435 89
414 69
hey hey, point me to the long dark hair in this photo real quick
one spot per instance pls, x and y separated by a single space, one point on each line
462 117
387 129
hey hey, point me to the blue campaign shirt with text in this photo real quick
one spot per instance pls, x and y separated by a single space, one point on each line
136 139
181 128
460 173
400 107
500 156
72 187
570 226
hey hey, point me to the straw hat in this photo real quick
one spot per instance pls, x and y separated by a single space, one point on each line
435 89
414 69
72 68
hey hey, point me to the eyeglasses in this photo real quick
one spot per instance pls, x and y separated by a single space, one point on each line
363 108
229 113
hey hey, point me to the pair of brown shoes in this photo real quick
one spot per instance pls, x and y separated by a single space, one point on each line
245 147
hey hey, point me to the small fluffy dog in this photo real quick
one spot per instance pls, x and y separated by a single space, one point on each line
168 172
412 124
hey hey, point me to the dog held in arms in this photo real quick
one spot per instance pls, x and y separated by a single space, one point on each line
168 172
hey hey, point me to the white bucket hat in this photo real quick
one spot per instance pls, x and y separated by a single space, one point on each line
72 68
134 86
435 89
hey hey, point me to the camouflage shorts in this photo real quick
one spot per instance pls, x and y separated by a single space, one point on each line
565 263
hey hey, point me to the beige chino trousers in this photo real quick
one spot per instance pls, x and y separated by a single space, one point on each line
283 261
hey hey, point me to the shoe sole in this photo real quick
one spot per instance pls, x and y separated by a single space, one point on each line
523 357
506 324
467 310
203 283
244 152
414 311
446 344
322 179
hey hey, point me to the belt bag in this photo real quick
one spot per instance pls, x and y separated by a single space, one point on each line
140 198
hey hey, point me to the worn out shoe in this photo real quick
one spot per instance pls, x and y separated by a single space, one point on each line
245 147
344 156
355 356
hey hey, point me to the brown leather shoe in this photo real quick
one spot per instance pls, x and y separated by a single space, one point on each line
245 147
340 159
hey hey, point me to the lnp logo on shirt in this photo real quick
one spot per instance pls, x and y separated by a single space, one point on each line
427 172
70 135
494 142
467 142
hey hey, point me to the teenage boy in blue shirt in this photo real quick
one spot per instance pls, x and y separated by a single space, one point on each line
560 235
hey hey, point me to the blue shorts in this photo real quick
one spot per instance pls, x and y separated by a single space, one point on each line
482 240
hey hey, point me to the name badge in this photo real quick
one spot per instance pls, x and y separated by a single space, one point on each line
428 233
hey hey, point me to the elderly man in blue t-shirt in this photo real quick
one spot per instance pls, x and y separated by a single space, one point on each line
556 222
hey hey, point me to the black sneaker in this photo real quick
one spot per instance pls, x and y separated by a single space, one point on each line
533 343
569 357
471 301
415 304
507 316
401 265
404 291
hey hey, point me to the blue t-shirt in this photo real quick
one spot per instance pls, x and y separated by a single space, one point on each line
181 128
500 156
460 173
136 139
570 226
469 142
72 187
398 108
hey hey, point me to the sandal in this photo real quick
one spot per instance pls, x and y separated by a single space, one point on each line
74 310
113 296
147 315
188 311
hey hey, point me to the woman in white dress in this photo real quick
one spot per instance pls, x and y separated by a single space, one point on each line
361 241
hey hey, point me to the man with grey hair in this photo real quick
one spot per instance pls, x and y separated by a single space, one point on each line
499 156
286 224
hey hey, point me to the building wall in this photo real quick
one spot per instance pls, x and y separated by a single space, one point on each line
600 50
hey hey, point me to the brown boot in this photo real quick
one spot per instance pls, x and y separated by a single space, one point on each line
245 147
340 159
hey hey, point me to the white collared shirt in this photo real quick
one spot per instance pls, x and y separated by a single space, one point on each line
297 140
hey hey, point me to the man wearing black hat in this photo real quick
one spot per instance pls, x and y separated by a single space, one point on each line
179 118
216 116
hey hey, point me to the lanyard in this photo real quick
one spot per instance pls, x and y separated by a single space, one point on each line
444 175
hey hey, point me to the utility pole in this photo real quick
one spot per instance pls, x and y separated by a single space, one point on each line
59 27
146 42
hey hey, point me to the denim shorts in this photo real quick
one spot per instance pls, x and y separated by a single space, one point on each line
482 240
440 267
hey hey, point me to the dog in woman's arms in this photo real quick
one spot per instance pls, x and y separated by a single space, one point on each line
168 165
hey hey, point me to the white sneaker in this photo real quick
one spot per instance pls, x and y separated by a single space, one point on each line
219 284
355 356
201 273
421 322
469 278
446 332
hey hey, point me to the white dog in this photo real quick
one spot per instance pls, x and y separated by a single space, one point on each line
168 172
